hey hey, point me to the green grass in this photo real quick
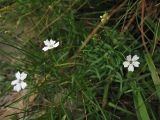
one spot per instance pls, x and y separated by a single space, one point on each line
90 84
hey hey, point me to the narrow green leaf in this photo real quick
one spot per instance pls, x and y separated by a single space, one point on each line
139 103
154 73
120 108
105 95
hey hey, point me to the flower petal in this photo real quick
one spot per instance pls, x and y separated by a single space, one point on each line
14 82
126 63
131 68
129 58
135 58
52 42
136 63
45 48
23 85
23 76
18 75
56 45
47 42
17 87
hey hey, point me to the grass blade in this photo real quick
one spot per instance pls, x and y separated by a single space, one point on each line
154 73
139 103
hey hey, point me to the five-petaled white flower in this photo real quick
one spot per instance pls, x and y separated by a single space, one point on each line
131 62
49 44
19 83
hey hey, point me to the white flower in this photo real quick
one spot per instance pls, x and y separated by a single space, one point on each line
131 62
49 44
19 83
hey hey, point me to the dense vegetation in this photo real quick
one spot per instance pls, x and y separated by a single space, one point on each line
84 77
